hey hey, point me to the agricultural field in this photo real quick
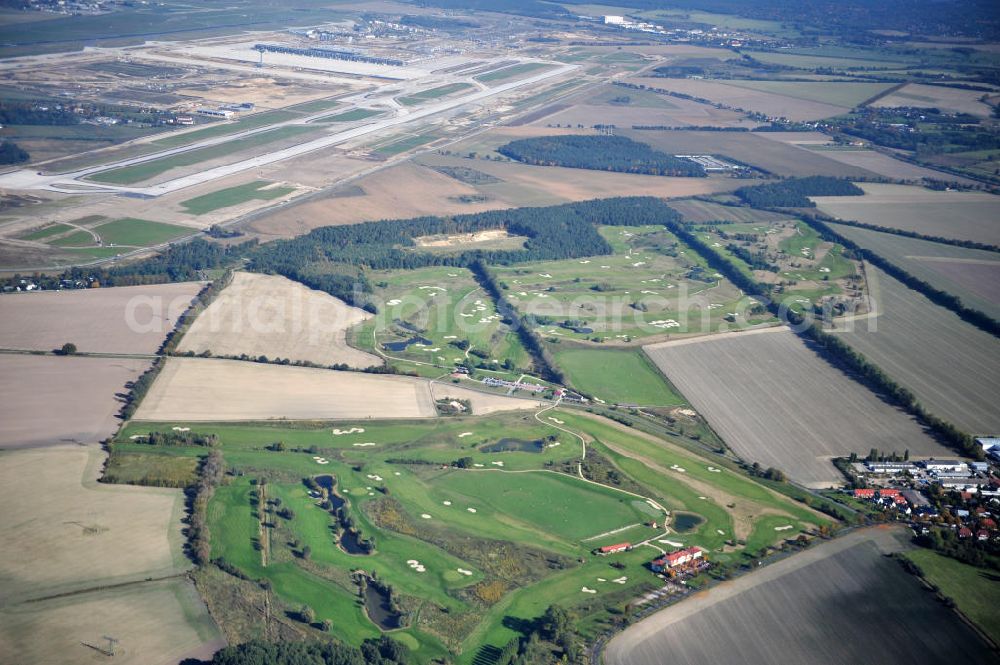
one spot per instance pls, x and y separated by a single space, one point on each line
970 274
51 399
128 319
272 316
952 367
438 317
749 148
138 232
773 400
463 548
258 190
885 166
64 557
838 590
653 285
616 376
940 97
761 101
976 592
951 214
696 211
204 389
848 94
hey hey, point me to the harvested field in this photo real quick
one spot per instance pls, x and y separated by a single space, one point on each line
773 400
959 215
934 96
269 315
769 103
829 604
483 403
81 534
970 274
50 399
952 367
838 93
129 319
749 148
199 389
156 623
698 212
884 165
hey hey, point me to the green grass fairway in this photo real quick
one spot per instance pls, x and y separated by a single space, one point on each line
349 116
975 591
139 232
511 72
233 196
433 93
127 175
75 239
617 377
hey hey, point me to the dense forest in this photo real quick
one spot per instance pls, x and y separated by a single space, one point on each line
12 153
793 193
384 651
601 153
333 258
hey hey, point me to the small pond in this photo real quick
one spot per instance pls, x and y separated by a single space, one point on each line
684 522
379 610
401 345
514 445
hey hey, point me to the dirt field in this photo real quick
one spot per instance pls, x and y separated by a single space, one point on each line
197 389
278 318
754 149
130 319
933 96
483 403
81 534
827 605
959 215
774 401
49 399
952 367
886 166
970 274
156 623
744 98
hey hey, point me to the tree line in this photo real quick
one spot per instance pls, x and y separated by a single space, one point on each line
209 477
383 651
601 153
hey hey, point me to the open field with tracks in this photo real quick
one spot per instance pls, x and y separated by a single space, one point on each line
826 605
952 367
201 389
774 401
970 274
269 315
130 319
51 399
957 215
940 97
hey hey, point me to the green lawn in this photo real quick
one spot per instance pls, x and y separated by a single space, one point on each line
433 93
254 121
231 196
975 591
75 239
127 175
46 231
618 377
139 232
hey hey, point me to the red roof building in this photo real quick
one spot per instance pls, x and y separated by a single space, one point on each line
674 559
983 534
864 494
884 493
613 549
965 532
988 523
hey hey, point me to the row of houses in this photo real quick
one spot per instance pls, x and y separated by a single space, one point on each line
494 382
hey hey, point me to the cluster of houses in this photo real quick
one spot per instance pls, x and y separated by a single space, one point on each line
687 561
950 474
494 382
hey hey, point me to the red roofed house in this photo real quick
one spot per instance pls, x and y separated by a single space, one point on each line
614 549
899 500
884 493
864 494
965 532
675 559
983 534
988 523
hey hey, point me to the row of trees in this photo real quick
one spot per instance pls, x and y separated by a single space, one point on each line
383 651
137 389
209 477
794 192
602 153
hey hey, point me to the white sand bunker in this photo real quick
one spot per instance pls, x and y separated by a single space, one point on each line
720 532
182 429
554 444
714 470
398 473
557 421
433 288
672 543
374 476
784 528
464 434
416 565
447 503
137 436
477 465
588 590
425 516
463 571
363 445
353 430
471 510
620 580
497 463
601 579
678 469
321 460
394 302
703 498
